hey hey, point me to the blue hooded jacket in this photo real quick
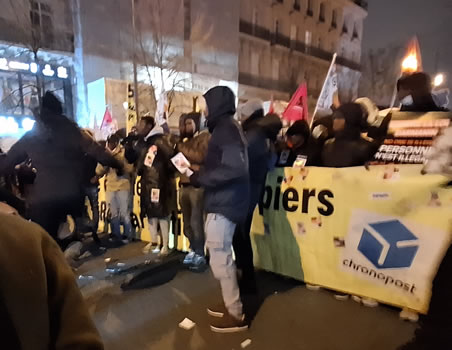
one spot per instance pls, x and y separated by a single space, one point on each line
225 175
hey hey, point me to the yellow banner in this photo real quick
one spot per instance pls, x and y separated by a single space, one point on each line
379 233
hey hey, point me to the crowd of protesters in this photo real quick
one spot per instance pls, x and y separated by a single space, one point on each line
229 162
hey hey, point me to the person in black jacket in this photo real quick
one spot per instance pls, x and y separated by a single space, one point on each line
417 88
260 133
225 179
348 148
152 155
298 145
57 149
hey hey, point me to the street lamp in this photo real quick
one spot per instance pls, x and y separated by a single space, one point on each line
439 80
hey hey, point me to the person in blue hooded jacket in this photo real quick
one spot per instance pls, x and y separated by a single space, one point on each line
225 180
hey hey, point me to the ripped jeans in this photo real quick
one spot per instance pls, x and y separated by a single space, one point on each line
219 234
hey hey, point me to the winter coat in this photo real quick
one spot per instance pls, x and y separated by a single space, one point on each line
115 183
224 176
57 150
348 148
287 156
260 133
157 175
41 306
195 150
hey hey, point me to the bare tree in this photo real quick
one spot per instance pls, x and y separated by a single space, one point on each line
160 57
381 69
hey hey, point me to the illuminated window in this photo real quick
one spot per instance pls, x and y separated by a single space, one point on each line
41 21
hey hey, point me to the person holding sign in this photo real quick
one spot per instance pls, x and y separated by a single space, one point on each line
191 196
152 154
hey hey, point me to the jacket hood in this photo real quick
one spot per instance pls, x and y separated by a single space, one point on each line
220 102
156 130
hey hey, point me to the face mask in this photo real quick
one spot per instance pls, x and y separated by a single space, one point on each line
407 100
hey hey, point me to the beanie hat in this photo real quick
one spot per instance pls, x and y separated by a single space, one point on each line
250 107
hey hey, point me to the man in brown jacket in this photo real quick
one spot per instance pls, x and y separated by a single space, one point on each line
41 307
191 198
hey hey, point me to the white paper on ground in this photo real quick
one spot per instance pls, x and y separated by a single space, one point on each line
187 324
245 343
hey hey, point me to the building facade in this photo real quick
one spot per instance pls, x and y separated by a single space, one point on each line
36 54
260 48
286 42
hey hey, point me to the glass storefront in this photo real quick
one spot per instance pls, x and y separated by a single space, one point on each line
19 93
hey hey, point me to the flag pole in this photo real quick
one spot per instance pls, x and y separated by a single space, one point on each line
333 62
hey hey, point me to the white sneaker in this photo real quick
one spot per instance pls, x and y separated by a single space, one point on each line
341 297
408 315
189 258
370 302
150 247
357 299
312 287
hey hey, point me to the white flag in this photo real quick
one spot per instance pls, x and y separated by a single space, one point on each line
329 89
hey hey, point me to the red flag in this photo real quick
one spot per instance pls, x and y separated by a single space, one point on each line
107 120
297 109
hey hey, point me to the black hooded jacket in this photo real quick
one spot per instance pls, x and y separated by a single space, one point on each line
260 133
225 172
348 148
57 148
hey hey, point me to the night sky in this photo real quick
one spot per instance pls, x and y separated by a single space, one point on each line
396 21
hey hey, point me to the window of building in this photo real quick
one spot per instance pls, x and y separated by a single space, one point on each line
334 19
187 20
344 28
322 12
10 99
255 64
293 33
276 27
296 5
355 33
308 38
275 69
255 17
310 10
41 21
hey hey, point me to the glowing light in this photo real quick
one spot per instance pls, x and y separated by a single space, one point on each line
27 124
439 80
126 105
62 72
8 125
19 65
47 71
33 67
410 63
4 64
